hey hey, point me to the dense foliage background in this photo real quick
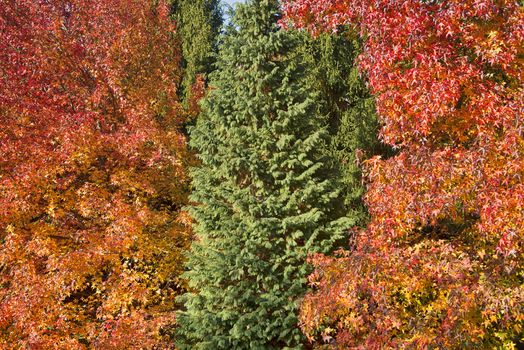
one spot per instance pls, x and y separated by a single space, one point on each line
172 174
92 174
441 262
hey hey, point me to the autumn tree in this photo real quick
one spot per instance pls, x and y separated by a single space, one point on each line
441 263
92 174
265 197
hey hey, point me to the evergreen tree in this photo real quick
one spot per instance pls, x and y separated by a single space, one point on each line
198 25
267 197
348 107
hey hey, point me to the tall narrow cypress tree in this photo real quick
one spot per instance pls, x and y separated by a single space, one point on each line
198 26
266 196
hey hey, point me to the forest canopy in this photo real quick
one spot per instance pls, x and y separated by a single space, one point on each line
294 174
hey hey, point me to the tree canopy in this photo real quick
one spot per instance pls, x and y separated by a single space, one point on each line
92 174
265 197
441 262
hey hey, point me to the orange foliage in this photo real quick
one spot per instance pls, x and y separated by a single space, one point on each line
92 174
442 261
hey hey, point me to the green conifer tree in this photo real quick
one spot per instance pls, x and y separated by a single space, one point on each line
267 198
348 108
198 26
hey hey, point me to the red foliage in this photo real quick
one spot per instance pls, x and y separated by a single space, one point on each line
198 91
441 262
92 174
